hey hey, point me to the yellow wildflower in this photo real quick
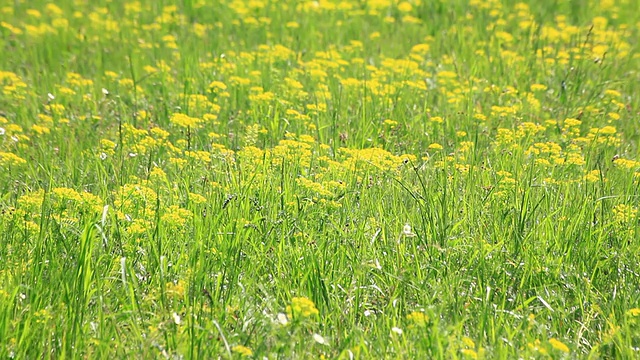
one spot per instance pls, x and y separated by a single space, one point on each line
185 121
559 345
301 307
242 350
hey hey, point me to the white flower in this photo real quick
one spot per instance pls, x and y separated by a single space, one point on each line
282 319
396 330
176 318
319 339
406 231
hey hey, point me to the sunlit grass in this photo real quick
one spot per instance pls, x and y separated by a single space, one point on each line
306 179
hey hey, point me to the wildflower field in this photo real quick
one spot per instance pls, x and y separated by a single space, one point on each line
356 179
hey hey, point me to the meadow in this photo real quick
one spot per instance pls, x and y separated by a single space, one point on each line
356 179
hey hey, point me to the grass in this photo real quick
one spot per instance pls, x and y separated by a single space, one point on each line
284 179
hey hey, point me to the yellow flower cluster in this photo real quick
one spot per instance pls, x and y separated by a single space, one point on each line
301 307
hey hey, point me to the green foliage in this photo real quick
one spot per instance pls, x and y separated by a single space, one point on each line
305 179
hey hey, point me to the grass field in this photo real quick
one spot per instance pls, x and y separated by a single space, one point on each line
319 179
